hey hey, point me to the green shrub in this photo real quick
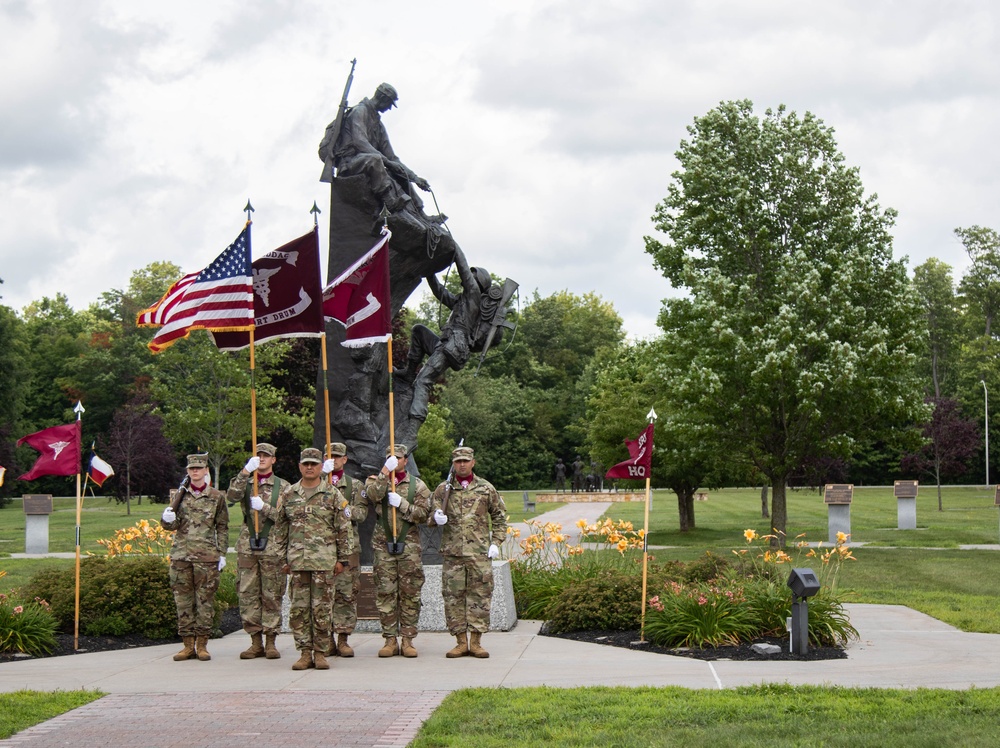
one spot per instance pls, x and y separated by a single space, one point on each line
699 615
26 627
610 601
125 595
707 568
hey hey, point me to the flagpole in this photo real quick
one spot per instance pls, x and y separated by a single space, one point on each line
79 501
645 541
392 434
322 346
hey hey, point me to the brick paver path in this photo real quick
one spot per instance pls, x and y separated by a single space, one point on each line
262 719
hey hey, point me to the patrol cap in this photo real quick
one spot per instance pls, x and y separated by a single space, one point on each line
463 453
388 91
337 449
400 451
311 454
268 449
198 461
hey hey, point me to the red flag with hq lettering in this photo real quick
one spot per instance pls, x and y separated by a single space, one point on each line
639 464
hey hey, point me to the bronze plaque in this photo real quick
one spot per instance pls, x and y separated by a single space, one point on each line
905 489
838 493
39 503
367 609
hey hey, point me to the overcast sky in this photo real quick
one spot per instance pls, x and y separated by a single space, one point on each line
135 131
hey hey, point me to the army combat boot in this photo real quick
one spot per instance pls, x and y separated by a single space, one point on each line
475 648
270 650
201 646
305 661
406 648
319 660
256 648
343 648
390 648
459 650
188 652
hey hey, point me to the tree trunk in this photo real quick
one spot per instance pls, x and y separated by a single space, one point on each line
763 502
779 511
685 508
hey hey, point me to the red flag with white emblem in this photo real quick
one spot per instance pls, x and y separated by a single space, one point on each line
59 451
359 298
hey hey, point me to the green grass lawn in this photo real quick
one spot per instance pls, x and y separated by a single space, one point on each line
22 709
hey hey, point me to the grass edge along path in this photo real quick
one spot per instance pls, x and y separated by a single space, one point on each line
20 710
767 715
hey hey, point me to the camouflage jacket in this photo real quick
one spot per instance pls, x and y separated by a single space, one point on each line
416 513
353 490
477 517
202 525
315 525
237 493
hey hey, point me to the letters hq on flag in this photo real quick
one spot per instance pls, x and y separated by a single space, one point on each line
640 457
287 295
220 297
359 298
59 451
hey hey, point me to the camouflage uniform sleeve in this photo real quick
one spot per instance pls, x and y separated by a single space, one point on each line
498 514
237 488
359 502
177 522
279 517
417 512
377 488
222 524
342 527
271 512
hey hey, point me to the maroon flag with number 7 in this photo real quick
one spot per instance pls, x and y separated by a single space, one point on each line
639 464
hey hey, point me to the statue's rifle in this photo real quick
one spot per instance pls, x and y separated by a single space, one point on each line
495 314
329 141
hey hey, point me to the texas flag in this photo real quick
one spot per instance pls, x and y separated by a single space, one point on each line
359 298
99 471
640 457
59 451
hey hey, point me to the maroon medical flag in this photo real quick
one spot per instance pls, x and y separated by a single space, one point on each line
359 298
287 295
640 460
220 297
59 451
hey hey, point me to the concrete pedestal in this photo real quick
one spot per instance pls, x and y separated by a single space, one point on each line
36 533
839 520
503 612
906 514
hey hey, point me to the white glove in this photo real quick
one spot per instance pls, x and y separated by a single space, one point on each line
222 563
256 503
168 515
329 466
252 464
440 517
493 552
391 463
394 499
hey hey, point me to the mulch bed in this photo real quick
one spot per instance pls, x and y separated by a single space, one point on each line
64 642
743 652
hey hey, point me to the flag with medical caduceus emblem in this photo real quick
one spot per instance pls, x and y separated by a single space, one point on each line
359 298
640 461
58 451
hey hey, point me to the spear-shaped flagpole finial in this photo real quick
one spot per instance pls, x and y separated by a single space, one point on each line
651 415
315 213
384 215
79 409
248 209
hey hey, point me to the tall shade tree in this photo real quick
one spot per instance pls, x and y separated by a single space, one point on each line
936 291
981 283
799 329
951 442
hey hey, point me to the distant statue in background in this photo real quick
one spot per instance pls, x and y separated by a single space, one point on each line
577 474
560 471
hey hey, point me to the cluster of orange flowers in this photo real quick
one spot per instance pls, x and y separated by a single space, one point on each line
142 539
620 535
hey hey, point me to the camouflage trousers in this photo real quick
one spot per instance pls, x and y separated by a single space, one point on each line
311 614
194 584
262 587
398 582
467 588
345 598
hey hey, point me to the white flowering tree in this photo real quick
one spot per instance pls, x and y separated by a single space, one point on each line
799 331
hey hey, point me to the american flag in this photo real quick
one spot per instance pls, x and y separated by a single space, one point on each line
220 297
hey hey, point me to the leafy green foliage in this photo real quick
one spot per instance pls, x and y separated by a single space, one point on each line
610 601
26 627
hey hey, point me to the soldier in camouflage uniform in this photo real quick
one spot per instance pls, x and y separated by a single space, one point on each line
475 524
261 572
310 514
198 515
399 577
348 584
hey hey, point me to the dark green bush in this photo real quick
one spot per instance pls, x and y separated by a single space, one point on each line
117 596
611 601
707 568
